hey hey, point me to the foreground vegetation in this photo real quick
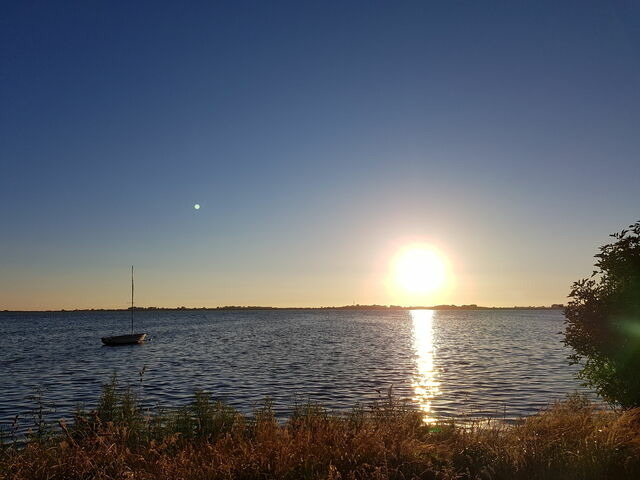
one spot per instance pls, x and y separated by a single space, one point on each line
570 440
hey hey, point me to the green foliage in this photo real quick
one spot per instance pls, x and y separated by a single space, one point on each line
108 404
41 430
603 321
119 410
202 420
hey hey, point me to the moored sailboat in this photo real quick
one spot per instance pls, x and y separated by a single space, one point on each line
128 339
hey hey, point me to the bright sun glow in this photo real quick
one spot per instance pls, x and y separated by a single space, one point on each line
419 270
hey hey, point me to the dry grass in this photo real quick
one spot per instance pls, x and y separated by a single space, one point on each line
570 440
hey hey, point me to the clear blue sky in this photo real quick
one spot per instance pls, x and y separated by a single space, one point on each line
318 138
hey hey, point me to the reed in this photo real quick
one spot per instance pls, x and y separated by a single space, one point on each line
206 439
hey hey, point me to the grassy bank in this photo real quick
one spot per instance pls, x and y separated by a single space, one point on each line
570 440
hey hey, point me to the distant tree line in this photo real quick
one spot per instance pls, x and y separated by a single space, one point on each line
555 306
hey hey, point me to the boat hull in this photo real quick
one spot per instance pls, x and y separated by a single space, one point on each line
124 339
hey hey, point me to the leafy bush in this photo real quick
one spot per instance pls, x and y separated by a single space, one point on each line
603 321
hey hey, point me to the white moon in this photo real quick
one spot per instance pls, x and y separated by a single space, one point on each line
196 206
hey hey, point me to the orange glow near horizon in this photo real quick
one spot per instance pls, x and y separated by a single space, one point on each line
419 273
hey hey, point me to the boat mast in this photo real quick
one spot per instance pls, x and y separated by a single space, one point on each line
131 298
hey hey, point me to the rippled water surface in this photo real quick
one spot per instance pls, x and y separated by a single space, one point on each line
502 363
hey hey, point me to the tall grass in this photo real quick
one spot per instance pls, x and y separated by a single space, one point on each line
207 439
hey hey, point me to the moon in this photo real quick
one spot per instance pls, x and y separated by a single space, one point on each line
196 206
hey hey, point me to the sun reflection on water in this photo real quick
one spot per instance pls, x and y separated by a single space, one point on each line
425 384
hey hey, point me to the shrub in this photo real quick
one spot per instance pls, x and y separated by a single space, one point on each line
603 321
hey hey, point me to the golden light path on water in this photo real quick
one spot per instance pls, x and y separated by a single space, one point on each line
425 384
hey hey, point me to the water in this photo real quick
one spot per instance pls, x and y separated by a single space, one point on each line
500 363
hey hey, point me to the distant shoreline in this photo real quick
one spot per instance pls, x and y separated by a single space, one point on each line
246 308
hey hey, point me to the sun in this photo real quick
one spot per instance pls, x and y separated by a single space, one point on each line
419 270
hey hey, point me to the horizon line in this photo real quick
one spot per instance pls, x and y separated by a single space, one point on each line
473 306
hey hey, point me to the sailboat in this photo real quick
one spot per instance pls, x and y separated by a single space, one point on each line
132 338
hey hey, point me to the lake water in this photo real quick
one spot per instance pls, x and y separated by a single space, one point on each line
497 363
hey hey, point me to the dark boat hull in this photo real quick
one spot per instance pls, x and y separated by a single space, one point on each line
124 339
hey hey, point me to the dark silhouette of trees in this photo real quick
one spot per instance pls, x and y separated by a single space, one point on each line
603 321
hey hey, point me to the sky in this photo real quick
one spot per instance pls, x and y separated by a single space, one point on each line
319 139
